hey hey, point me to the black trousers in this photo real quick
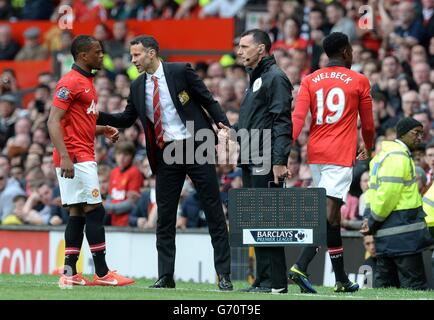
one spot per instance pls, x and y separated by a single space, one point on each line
169 181
401 272
270 261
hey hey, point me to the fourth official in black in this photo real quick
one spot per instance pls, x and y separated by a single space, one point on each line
266 105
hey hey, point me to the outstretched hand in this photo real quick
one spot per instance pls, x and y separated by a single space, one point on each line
111 133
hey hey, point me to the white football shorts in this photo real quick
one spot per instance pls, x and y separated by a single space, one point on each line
83 188
335 179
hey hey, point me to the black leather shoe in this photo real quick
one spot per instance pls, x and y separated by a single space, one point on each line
164 282
225 283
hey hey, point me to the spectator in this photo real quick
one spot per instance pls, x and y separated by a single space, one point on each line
23 126
222 8
17 214
89 10
9 188
340 23
410 103
37 10
294 167
424 91
8 47
187 9
48 168
144 214
8 83
124 185
101 33
159 9
104 178
114 103
291 37
62 58
32 50
39 210
116 47
429 159
132 134
122 85
226 94
192 214
364 185
370 257
424 118
421 73
409 29
317 21
40 135
421 179
384 117
8 116
128 9
7 11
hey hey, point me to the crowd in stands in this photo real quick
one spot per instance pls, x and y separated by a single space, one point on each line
396 54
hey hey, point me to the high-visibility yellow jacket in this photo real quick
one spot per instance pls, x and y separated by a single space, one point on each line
395 204
428 206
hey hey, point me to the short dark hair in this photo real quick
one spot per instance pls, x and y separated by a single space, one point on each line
81 43
379 96
391 56
260 37
126 147
147 42
318 9
429 146
334 43
19 197
421 111
338 6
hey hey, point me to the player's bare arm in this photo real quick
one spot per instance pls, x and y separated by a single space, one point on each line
56 136
109 132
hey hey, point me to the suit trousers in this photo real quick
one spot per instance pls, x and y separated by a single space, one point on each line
401 272
169 182
270 261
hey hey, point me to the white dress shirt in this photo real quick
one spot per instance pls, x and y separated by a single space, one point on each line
174 128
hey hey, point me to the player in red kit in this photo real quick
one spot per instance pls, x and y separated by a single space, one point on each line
335 96
124 179
72 127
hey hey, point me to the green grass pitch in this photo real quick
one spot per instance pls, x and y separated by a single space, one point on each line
45 287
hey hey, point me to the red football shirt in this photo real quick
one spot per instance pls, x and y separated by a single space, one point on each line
335 96
76 94
120 183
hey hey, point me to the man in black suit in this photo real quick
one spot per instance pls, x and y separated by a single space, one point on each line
166 98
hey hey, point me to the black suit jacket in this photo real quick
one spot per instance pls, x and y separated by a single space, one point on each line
182 80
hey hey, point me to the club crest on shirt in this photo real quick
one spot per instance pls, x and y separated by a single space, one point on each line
183 97
62 93
257 84
95 193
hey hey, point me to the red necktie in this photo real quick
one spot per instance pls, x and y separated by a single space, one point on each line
158 125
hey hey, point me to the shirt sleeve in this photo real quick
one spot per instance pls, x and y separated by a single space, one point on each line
302 105
64 95
136 181
366 114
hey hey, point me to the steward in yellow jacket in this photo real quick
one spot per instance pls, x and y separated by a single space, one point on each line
396 218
